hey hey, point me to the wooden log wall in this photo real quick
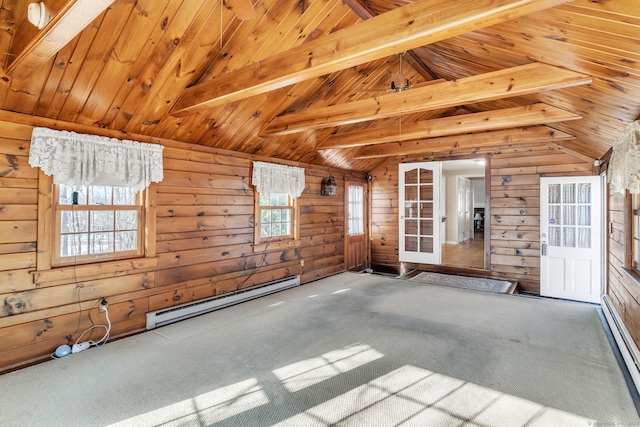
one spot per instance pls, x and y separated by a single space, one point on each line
623 290
204 235
514 207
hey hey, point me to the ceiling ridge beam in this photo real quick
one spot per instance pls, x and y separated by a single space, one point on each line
474 142
529 115
410 26
364 12
516 81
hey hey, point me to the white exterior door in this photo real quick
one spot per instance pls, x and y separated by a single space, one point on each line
419 208
571 238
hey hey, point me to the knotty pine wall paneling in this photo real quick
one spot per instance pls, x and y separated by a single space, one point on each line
514 208
204 237
623 290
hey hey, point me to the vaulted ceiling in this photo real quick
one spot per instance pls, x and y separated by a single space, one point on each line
308 80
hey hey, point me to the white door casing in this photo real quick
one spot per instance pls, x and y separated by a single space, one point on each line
464 202
419 212
571 238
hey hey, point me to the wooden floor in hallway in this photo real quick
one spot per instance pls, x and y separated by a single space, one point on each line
469 254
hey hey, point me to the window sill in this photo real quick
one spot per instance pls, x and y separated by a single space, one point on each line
59 275
275 246
633 274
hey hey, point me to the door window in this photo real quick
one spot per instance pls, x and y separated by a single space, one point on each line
569 209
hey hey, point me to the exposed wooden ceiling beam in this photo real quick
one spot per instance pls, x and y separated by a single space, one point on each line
416 24
573 148
473 142
516 81
31 50
536 114
365 13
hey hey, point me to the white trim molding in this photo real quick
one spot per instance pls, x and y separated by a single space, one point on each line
626 345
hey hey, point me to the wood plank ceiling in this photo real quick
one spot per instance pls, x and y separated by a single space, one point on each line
306 80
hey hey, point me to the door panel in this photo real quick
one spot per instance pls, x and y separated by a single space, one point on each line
419 208
570 237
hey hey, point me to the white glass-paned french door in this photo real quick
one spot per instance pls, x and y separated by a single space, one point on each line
419 209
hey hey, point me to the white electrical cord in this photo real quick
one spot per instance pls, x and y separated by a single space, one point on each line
107 328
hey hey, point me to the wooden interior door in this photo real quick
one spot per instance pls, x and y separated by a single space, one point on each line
356 236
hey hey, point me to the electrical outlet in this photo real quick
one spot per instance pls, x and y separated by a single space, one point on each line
301 263
103 304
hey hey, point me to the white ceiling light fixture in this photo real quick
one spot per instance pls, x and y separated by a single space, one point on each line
38 14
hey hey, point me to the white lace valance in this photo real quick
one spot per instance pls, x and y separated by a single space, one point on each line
624 166
270 178
80 160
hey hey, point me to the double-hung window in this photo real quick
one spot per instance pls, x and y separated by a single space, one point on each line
276 221
95 223
276 217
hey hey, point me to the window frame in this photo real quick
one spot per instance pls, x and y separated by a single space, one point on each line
47 272
352 206
262 244
631 229
139 207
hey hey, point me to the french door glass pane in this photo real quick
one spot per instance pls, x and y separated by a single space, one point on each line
426 245
426 210
568 215
554 236
426 192
584 193
410 226
411 177
426 176
554 215
411 210
584 237
554 193
569 193
426 227
411 244
584 215
569 237
411 193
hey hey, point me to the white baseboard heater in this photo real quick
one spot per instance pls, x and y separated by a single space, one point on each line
627 347
184 311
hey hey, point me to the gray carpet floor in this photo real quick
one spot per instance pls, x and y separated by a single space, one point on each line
349 350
